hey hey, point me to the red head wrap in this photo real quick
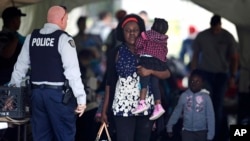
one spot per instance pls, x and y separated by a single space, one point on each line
129 20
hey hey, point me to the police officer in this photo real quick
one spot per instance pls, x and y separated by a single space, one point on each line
50 54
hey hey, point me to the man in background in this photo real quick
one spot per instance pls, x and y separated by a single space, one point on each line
10 46
10 42
215 53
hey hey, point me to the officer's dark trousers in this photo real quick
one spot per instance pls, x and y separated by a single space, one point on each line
51 120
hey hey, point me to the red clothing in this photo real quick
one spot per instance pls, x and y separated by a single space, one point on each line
152 43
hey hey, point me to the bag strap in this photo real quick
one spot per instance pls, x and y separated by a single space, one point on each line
103 126
107 132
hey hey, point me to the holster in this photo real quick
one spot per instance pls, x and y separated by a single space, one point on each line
68 93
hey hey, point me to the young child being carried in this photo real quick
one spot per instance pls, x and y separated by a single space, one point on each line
151 47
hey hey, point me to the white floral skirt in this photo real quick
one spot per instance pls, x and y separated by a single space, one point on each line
127 96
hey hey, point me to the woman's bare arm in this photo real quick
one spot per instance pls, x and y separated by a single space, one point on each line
104 117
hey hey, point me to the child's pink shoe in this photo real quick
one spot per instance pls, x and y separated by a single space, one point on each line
140 108
158 111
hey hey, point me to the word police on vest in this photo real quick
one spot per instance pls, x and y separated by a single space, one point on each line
43 42
239 132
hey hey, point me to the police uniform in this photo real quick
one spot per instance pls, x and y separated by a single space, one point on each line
51 55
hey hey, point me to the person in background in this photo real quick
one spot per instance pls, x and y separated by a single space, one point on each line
52 118
10 46
93 43
151 48
186 52
86 127
102 26
122 85
112 41
85 40
144 15
215 53
10 42
196 108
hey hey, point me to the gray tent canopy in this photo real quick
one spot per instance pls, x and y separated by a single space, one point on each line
36 10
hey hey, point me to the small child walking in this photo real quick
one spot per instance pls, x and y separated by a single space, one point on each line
151 47
196 108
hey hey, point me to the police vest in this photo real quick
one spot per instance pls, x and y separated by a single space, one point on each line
46 63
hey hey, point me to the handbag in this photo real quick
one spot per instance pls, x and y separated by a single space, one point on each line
98 136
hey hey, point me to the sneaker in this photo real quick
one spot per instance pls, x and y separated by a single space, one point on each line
142 106
158 111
